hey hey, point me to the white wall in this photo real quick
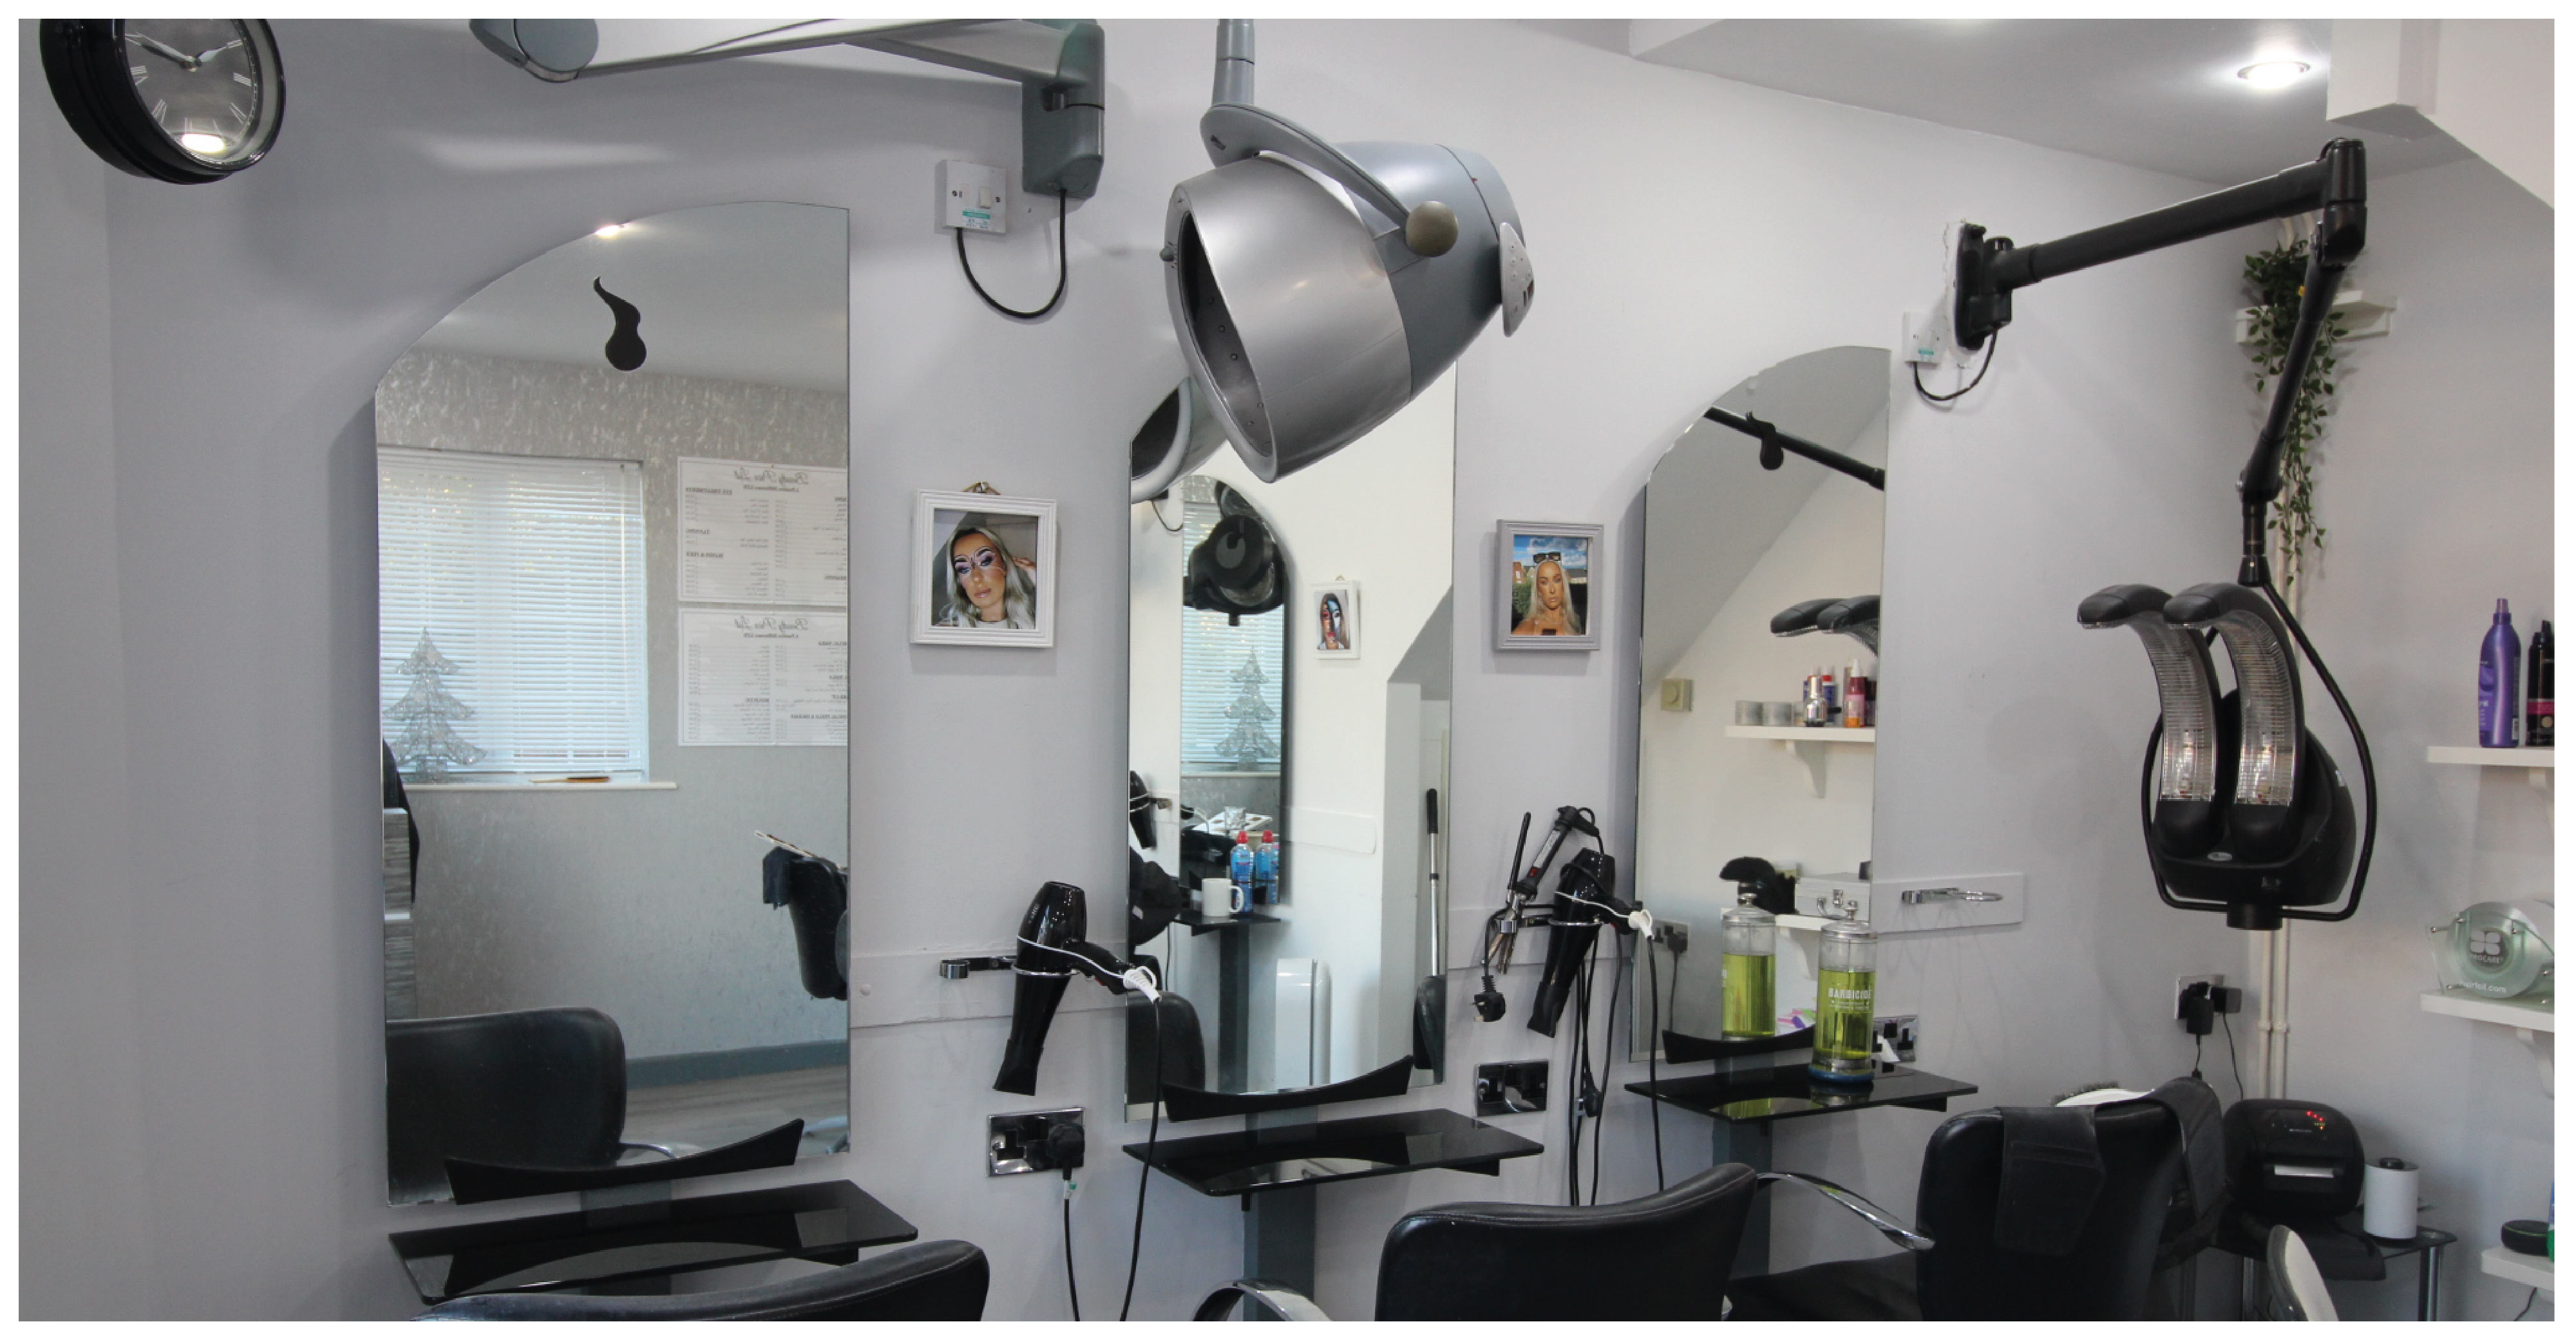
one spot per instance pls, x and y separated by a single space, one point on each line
199 959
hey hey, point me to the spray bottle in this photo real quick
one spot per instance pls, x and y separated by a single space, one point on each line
2500 682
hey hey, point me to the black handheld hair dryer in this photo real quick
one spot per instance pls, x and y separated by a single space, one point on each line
1584 902
1052 951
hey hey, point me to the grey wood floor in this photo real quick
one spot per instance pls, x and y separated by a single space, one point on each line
697 1115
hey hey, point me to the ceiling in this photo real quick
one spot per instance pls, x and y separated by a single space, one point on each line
755 292
2151 93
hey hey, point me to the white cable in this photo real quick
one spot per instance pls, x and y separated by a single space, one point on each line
1137 977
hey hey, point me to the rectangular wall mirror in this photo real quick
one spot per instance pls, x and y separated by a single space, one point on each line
1289 681
1759 580
613 673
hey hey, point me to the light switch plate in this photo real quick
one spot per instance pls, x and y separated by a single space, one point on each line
973 197
1925 339
1677 696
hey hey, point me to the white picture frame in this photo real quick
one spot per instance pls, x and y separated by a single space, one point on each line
1008 525
1337 625
1574 549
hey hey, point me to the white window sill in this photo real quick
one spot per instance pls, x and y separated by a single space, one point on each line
523 786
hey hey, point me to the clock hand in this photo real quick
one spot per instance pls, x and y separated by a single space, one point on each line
164 49
212 52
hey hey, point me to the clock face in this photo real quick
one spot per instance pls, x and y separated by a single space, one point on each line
201 83
182 100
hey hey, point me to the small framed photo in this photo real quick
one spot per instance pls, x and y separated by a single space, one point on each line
1336 606
1546 582
983 570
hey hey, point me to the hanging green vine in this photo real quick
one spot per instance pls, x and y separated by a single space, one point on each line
2273 279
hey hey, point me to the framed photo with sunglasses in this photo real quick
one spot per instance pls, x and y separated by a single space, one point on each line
984 570
1547 585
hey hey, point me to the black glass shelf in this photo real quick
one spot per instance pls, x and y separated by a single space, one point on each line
1760 1094
1200 924
825 1222
1260 1160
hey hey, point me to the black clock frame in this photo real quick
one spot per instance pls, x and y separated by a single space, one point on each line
85 63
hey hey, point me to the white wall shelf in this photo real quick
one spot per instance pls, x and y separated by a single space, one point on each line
2512 1012
2541 760
2362 317
1808 744
1844 735
2522 1269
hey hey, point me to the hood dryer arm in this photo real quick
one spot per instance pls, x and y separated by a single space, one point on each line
2335 185
1774 442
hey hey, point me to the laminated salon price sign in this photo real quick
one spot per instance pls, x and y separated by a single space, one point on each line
765 533
764 678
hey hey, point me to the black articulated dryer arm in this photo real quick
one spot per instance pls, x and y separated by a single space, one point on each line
2335 185
1774 442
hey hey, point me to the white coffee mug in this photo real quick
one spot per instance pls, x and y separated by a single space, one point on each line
1214 895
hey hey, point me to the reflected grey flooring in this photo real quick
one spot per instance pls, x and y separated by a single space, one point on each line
698 1115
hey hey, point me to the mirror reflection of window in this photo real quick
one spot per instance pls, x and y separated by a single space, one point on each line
613 554
1242 721
1742 759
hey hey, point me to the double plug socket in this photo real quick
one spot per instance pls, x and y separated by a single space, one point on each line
1046 1139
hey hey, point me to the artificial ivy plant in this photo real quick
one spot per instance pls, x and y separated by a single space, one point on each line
2273 278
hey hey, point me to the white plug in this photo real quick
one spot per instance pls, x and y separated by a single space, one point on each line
1142 980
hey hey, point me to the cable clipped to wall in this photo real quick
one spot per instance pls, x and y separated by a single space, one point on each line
1060 274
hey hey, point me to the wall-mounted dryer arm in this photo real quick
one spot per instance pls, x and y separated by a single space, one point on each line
2336 185
1774 442
1058 63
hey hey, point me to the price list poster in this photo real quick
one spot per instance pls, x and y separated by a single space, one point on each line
758 534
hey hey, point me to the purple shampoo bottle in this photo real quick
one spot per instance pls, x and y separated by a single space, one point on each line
2500 682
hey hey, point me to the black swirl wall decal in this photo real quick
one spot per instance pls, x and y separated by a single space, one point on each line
625 346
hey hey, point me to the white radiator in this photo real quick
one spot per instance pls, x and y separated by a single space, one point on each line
1302 1024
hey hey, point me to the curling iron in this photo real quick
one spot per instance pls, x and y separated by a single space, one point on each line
1503 926
1051 952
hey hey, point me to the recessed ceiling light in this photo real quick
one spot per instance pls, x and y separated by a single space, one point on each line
2273 74
612 230
199 142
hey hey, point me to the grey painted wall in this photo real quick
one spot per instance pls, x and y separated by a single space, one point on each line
199 942
643 904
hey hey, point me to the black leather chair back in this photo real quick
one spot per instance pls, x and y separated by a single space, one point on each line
2103 1274
1660 1257
1184 1044
939 1282
530 1088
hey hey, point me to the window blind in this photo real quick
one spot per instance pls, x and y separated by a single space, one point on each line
1213 655
527 575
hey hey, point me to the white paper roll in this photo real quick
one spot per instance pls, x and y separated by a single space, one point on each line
2388 1198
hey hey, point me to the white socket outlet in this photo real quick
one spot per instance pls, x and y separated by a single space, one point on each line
973 197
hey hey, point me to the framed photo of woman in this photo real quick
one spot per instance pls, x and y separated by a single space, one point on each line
983 570
1336 605
1547 586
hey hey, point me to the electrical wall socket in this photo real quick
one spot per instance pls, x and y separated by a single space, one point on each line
1926 338
1511 1087
1019 1143
1904 1032
973 197
1675 936
2182 984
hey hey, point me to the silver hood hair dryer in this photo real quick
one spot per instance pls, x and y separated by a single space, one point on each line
1317 288
1052 951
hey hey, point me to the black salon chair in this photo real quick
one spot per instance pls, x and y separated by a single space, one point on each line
1659 1257
1965 1274
532 1089
939 1282
816 895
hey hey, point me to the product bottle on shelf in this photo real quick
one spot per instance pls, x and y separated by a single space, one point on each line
2500 682
1239 869
2540 691
1856 694
1265 868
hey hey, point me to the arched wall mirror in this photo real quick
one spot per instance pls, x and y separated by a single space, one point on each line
1761 580
613 653
1289 680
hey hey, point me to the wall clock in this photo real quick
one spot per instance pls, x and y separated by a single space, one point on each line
182 100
